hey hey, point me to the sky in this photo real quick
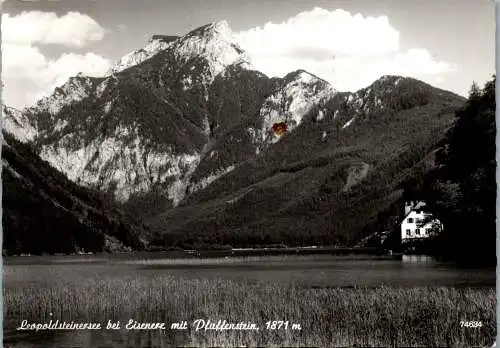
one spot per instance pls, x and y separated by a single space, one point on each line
349 43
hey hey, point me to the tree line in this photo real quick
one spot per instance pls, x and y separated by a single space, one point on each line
461 190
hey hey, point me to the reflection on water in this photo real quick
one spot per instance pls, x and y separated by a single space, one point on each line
304 270
417 259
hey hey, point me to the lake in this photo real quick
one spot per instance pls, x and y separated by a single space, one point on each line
303 271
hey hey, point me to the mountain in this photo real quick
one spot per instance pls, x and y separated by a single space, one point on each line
44 212
192 139
143 129
327 180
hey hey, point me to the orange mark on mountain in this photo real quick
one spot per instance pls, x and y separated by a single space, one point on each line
279 128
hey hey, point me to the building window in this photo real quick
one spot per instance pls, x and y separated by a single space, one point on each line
408 232
410 220
417 231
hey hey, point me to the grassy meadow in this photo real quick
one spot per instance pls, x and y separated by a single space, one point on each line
383 316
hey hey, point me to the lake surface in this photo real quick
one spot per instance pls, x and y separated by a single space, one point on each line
318 271
304 270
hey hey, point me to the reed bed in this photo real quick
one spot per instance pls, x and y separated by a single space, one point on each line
384 316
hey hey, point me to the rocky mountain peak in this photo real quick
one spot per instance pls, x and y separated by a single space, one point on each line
213 43
301 74
75 89
216 44
211 30
299 92
155 44
308 80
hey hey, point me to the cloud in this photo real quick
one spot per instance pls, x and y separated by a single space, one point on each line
27 72
42 75
336 32
420 61
21 60
89 64
350 51
37 27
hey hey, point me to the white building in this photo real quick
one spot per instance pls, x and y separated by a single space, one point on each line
418 224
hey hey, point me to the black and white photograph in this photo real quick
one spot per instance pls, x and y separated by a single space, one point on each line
248 173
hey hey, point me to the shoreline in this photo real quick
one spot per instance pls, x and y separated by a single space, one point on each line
231 252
